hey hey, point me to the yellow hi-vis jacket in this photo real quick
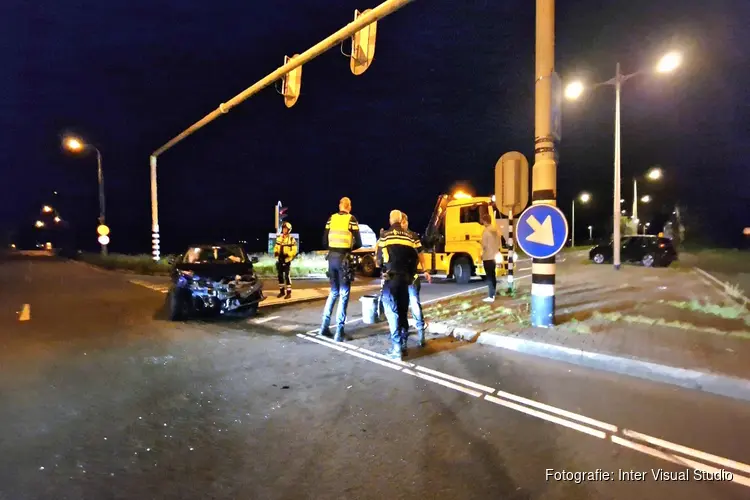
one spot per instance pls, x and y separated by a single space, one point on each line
285 245
342 232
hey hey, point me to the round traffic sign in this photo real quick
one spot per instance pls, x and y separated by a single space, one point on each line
104 239
542 231
102 230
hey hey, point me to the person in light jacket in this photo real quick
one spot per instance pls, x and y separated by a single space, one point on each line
490 247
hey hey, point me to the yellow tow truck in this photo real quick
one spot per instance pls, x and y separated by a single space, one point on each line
453 239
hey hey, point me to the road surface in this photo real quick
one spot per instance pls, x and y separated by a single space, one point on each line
102 398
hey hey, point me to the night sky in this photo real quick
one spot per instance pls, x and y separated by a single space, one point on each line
450 90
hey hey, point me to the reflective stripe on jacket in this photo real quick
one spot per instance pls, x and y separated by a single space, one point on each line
285 245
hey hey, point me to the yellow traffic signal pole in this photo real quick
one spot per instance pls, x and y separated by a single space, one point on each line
365 19
544 173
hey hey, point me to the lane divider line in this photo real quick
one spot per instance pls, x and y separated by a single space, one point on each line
456 379
669 457
260 321
548 417
601 434
702 455
444 383
564 413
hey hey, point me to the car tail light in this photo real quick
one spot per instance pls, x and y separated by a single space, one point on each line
661 245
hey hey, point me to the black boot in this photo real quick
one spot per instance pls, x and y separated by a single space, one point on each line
403 341
288 293
281 293
325 332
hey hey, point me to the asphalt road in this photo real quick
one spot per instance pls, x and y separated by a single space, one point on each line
101 398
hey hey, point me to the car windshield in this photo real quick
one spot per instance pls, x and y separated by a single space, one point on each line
226 254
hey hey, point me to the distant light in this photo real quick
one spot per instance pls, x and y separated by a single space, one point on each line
48 245
669 62
46 209
54 192
590 227
574 90
624 212
584 197
13 245
646 199
57 219
745 231
103 239
648 224
39 223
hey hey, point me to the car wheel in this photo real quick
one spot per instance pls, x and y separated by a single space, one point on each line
368 267
648 260
598 258
462 271
178 306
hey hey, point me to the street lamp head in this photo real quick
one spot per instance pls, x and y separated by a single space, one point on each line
39 224
646 199
590 228
46 209
574 90
584 197
57 219
73 144
669 62
654 174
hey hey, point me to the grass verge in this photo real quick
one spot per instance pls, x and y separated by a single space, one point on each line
305 265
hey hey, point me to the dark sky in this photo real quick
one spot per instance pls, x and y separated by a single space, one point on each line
450 90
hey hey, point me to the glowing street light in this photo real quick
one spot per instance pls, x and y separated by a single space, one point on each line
74 144
39 224
646 199
57 219
584 198
574 90
47 209
669 62
654 174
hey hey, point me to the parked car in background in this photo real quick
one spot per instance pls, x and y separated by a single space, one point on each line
213 279
651 251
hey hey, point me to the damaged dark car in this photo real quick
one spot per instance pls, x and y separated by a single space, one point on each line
213 280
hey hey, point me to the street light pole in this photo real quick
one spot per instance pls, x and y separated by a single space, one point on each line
573 217
616 209
591 233
100 176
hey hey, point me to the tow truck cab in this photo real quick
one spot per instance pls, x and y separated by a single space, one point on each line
453 239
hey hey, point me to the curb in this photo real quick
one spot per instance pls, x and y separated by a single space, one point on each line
722 385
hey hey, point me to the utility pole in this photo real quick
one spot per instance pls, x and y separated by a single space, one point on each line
544 173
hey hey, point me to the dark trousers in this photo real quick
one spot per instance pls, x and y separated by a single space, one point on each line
396 306
489 269
284 277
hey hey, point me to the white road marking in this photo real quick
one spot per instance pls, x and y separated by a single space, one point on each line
612 429
548 417
457 379
25 314
745 481
522 277
288 328
525 269
260 321
688 451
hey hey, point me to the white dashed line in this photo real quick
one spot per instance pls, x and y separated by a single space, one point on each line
260 321
527 406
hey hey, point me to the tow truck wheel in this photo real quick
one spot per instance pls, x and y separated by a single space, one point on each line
368 267
462 271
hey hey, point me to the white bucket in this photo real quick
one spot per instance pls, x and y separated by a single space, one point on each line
370 313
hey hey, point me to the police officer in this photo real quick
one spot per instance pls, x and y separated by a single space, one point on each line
415 286
397 257
285 250
341 236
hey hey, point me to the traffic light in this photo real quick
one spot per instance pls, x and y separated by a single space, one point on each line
363 45
282 215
